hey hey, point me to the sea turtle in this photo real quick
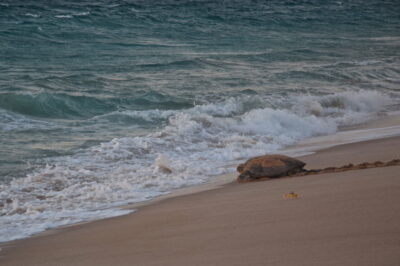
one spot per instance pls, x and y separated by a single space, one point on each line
270 166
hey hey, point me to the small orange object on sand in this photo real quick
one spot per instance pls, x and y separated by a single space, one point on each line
290 195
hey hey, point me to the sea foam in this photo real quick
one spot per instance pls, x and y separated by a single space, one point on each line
195 145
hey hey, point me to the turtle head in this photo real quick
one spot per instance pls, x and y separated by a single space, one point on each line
240 168
244 177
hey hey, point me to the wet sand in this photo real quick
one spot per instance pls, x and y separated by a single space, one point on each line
347 218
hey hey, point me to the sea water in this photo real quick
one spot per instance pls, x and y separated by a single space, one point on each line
104 103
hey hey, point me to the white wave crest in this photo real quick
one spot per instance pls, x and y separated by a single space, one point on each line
63 16
345 108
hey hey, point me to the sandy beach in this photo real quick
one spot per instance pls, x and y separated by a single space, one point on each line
124 126
348 218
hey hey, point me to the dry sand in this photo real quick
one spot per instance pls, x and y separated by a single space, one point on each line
348 218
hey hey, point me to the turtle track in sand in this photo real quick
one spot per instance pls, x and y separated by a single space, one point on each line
348 167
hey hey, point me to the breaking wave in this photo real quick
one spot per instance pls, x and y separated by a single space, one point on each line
194 145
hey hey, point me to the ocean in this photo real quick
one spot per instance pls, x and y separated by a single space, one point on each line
104 103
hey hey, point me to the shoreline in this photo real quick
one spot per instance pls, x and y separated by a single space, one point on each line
384 149
386 126
383 127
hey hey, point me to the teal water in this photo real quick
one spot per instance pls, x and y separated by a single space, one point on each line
97 96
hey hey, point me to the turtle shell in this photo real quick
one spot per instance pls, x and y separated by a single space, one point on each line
269 166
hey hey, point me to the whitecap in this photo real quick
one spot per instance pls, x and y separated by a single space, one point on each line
32 15
63 16
80 14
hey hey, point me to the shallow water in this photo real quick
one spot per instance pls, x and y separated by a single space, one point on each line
98 98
